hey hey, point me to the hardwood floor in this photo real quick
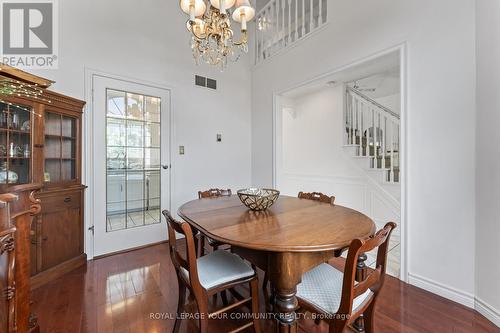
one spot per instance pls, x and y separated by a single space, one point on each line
137 292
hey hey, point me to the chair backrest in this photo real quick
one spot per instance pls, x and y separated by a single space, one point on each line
317 196
188 263
374 278
214 192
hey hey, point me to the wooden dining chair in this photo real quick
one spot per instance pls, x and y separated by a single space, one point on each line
317 196
205 276
215 245
336 296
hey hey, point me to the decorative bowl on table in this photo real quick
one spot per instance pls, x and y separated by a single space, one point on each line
258 198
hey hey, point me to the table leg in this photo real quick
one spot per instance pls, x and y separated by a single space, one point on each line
285 305
361 271
285 271
285 274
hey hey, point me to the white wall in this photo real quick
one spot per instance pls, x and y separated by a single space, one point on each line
148 40
313 158
392 102
441 149
488 159
313 135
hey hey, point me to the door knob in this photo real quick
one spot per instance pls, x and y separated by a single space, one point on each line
165 166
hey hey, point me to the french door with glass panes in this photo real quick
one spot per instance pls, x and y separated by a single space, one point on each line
130 164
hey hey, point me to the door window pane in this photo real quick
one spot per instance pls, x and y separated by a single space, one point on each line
135 108
116 103
152 135
152 158
133 160
153 109
135 134
115 132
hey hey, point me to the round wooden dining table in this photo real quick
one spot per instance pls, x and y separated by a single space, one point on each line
288 239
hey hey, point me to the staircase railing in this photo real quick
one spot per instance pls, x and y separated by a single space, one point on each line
283 22
374 130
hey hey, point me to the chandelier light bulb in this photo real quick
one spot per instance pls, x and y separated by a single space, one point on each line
243 13
193 8
228 4
198 27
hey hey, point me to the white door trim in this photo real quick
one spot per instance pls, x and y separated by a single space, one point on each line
403 51
88 152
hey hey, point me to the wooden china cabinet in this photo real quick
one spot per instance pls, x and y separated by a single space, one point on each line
41 142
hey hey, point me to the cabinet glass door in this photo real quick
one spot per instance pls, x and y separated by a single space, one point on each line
15 144
60 148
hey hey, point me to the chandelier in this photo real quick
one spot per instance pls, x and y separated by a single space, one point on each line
213 40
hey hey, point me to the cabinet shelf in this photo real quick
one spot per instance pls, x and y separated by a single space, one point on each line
11 130
60 159
18 168
14 158
54 136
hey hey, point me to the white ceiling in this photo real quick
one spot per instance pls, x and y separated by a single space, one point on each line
381 73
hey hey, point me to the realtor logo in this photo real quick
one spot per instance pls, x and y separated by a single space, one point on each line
29 33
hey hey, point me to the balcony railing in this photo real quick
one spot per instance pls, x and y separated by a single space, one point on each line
281 23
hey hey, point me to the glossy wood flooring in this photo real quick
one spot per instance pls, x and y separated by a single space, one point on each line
128 292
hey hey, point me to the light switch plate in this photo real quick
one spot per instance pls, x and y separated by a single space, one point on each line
181 150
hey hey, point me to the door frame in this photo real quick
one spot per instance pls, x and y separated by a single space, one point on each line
402 48
88 151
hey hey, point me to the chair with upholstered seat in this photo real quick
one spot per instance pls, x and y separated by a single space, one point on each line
336 296
212 193
206 276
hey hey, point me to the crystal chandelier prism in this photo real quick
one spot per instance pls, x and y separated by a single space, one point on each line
212 39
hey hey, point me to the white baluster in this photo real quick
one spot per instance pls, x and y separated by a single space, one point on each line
361 132
375 135
320 17
352 122
256 34
373 129
296 25
283 7
379 136
272 24
384 164
346 118
268 32
391 174
303 18
311 7
259 44
349 122
356 132
399 154
289 38
264 41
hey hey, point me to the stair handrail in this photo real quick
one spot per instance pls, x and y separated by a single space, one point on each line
372 101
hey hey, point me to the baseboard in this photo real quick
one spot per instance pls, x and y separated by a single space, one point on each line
53 273
442 290
488 311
